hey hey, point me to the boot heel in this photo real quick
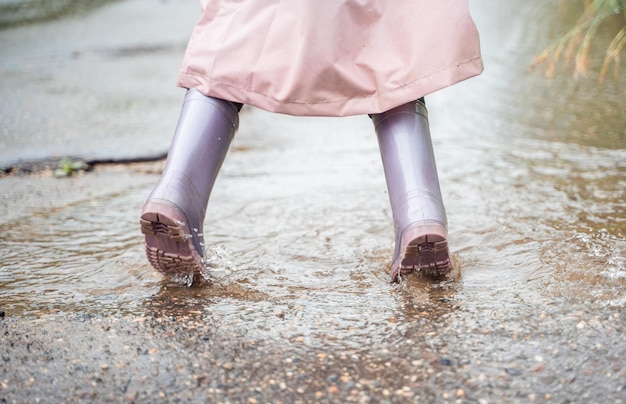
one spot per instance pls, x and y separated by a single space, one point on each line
424 249
168 240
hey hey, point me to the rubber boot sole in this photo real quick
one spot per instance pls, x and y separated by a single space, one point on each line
168 240
424 249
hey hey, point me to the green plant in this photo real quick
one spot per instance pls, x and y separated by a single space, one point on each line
67 167
576 43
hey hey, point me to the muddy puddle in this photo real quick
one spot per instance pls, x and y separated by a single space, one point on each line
533 173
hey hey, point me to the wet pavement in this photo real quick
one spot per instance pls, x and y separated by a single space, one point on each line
300 307
97 85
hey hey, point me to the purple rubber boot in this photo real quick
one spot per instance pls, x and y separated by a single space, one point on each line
172 217
419 216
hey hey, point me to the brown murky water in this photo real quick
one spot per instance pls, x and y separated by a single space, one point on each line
533 173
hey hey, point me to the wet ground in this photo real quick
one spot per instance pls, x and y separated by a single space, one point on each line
301 309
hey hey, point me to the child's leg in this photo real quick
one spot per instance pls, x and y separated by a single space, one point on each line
418 212
173 216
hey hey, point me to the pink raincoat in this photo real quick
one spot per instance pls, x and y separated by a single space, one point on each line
330 57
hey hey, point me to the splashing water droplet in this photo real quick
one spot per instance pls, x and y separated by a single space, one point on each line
183 279
218 265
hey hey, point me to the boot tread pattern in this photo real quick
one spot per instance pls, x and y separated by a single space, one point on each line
428 255
168 248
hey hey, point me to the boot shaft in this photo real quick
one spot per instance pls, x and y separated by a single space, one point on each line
199 146
205 129
409 165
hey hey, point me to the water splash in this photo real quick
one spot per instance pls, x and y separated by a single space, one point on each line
183 279
218 264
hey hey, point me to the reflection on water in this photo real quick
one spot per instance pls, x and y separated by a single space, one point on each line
533 174
70 258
